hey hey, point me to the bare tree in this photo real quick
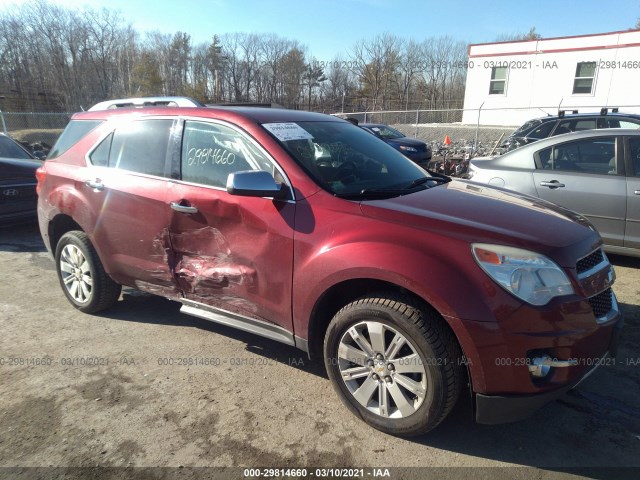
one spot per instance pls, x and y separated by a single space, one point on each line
375 61
58 58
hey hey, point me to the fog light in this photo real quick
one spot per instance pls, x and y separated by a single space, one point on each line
540 367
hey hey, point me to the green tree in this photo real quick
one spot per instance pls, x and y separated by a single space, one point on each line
146 80
314 76
215 64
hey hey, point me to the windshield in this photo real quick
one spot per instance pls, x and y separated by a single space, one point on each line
385 132
347 161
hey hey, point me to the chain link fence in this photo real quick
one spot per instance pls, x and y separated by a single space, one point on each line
36 131
444 130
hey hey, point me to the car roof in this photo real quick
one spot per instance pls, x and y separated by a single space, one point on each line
568 116
372 125
254 114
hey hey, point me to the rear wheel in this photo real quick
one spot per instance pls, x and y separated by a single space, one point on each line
394 363
81 274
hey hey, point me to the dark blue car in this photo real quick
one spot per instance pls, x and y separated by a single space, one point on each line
416 150
18 199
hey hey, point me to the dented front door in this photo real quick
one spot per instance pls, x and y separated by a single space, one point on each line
230 252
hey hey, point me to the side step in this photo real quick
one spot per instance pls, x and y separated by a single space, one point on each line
240 322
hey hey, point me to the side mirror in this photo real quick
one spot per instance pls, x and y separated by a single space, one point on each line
255 183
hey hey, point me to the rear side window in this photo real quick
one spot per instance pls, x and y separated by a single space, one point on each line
140 146
619 123
575 125
75 131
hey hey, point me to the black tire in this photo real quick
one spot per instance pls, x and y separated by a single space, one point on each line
427 335
102 292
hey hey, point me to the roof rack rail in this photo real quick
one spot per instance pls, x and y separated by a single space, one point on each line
604 111
561 113
140 102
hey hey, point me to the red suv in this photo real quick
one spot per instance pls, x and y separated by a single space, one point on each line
306 229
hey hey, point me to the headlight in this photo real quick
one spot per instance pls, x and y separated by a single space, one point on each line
527 275
408 149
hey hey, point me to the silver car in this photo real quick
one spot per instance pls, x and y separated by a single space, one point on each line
594 172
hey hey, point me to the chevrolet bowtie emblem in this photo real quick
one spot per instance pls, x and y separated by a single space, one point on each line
10 192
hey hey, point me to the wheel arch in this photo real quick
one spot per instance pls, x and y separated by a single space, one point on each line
60 225
342 293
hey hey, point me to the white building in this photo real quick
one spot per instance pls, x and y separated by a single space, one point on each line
511 82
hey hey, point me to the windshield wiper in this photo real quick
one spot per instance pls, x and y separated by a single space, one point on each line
381 193
423 180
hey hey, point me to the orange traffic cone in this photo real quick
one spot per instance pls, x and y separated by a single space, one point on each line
447 140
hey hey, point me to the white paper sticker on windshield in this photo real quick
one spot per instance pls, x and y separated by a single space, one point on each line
287 131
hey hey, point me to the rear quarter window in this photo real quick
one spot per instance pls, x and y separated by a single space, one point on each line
75 131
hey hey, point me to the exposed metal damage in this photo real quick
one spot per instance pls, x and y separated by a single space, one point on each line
192 271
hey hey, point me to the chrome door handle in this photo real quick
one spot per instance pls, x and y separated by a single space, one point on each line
552 184
183 208
96 184
637 192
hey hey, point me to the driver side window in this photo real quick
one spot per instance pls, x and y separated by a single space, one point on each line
594 155
210 152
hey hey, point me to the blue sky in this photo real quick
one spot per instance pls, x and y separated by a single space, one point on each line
331 27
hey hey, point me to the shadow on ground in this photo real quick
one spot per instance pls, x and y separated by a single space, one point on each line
621 261
572 435
140 307
21 238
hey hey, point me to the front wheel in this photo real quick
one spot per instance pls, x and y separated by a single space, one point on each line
394 363
81 274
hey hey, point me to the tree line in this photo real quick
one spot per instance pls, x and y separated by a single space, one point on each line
61 59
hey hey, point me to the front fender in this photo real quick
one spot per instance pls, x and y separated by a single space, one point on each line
440 281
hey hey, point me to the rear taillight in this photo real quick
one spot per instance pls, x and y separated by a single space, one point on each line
40 174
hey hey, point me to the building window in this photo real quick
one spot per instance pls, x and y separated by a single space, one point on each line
498 84
585 76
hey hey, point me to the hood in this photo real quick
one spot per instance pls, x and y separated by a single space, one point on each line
478 213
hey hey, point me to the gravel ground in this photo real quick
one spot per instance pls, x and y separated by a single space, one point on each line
110 391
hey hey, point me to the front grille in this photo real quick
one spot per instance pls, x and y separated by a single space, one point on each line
602 303
590 261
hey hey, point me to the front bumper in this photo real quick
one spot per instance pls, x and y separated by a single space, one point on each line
496 409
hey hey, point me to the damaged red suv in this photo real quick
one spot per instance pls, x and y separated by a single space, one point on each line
305 229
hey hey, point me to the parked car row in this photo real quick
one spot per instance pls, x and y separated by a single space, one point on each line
551 125
308 230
